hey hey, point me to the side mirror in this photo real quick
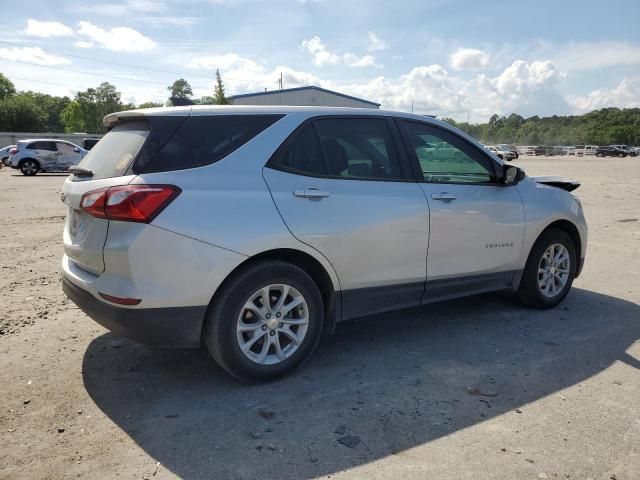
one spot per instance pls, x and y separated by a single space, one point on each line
76 149
511 174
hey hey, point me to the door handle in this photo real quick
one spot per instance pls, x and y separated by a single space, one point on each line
310 193
443 196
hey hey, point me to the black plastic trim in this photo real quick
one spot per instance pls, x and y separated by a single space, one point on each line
367 301
169 327
445 289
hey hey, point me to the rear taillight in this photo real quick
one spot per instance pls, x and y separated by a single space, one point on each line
129 203
13 151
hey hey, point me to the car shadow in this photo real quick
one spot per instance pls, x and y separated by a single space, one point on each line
42 175
392 381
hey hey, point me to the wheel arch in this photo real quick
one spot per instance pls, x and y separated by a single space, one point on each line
328 289
570 229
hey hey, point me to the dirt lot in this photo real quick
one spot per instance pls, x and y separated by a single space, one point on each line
475 388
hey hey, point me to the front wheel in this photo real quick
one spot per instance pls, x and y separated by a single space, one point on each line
550 270
265 321
29 167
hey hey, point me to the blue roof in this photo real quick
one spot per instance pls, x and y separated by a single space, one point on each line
311 87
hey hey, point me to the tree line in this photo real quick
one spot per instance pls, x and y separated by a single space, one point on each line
28 111
600 127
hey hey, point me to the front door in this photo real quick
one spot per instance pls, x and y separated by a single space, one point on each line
343 188
477 223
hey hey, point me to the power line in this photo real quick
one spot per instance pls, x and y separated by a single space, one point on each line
139 67
103 75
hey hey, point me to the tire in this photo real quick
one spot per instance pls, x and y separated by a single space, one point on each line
599 155
29 167
530 291
622 155
223 339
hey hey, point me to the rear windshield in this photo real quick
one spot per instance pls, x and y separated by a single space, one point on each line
202 140
113 154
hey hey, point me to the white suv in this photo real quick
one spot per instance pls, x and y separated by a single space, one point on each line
252 230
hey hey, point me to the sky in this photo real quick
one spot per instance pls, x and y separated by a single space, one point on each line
461 59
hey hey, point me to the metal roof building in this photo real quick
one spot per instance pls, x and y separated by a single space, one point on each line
303 96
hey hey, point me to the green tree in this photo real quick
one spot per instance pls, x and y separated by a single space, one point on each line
149 105
7 88
88 109
20 113
180 89
218 94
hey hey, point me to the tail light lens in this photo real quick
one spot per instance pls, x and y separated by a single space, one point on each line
13 151
129 203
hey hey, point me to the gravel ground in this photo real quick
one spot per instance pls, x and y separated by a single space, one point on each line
474 388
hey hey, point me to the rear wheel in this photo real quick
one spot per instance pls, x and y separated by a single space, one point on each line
29 167
265 322
599 154
550 270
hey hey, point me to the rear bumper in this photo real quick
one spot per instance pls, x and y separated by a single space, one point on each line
170 327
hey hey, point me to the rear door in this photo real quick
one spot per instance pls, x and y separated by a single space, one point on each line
67 155
343 188
85 235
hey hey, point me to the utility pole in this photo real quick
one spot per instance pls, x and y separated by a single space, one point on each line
280 83
411 106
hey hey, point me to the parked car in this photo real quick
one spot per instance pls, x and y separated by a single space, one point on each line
527 150
625 148
89 143
610 151
45 155
584 150
511 148
5 153
251 230
502 153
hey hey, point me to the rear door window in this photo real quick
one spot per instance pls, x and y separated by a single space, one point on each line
202 140
113 154
51 146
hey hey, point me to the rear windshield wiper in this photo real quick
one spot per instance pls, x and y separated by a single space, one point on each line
81 171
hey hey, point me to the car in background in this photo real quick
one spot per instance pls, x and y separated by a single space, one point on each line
527 150
89 143
610 151
582 150
250 230
501 153
5 153
510 148
45 155
625 148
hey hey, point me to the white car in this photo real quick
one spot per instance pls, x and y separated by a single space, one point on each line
502 152
5 153
252 230
45 155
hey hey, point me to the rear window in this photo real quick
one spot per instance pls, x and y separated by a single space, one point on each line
202 140
113 154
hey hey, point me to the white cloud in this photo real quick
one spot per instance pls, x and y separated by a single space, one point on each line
229 61
586 56
376 43
468 59
83 44
322 57
32 55
625 95
47 29
119 39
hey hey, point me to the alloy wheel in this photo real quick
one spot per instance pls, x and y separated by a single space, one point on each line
272 324
553 270
29 168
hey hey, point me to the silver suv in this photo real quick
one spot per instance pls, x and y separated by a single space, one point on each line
252 230
45 155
